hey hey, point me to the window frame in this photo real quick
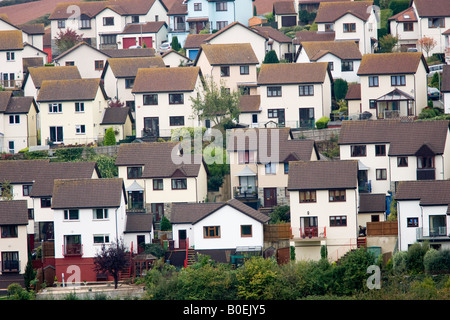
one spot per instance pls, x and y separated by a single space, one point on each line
176 121
347 66
108 21
402 162
28 188
215 231
10 56
362 150
337 195
247 234
373 82
80 129
221 6
134 172
104 214
398 81
244 70
179 184
381 174
9 231
378 152
79 107
274 91
14 119
309 196
103 237
306 90
338 221
99 65
412 222
224 71
71 215
46 202
172 99
158 184
152 98
55 108
349 27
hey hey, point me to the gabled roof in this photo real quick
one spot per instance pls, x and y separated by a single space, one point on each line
148 27
391 63
195 212
250 103
372 202
432 8
129 53
273 33
293 73
284 7
353 92
116 116
10 104
322 175
128 67
301 36
344 50
332 11
75 47
11 40
87 193
428 192
69 90
405 138
33 28
139 222
230 26
179 7
407 15
178 79
194 41
14 212
228 54
39 74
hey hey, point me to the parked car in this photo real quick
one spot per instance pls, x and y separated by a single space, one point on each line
165 46
433 93
435 68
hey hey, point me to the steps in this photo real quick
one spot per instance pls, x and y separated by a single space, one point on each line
191 256
361 242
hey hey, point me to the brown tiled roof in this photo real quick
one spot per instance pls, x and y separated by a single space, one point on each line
5 96
319 1
344 50
39 74
228 27
433 8
68 90
391 63
32 62
321 175
178 79
250 103
75 47
22 171
32 28
20 105
353 92
195 40
156 157
405 138
331 11
14 212
429 192
139 222
283 7
149 27
229 54
195 212
407 15
116 116
87 193
11 40
292 73
372 202
301 36
178 8
274 34
445 85
128 67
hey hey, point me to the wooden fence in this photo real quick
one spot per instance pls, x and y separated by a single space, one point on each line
385 228
275 232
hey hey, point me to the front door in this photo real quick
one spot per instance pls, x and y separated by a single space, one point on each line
140 244
151 127
182 239
270 197
306 117
158 211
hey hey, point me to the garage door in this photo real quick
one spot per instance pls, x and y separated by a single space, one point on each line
288 21
128 42
147 40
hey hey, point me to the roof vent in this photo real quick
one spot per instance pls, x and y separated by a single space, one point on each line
406 16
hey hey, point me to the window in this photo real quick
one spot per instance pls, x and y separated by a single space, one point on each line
244 69
109 39
246 230
158 184
79 106
436 23
85 23
30 214
54 108
225 71
381 174
14 119
73 214
329 27
134 19
69 63
380 150
347 66
286 167
100 214
338 221
98 64
9 231
221 24
176 98
358 151
101 238
72 245
108 21
61 24
274 91
307 196
373 81
402 161
134 172
46 202
26 189
349 27
398 81
412 222
271 168
80 129
372 104
331 65
197 7
246 157
129 82
408 26
11 147
56 134
10 56
306 90
176 121
179 184
425 162
336 195
211 232
221 6
150 99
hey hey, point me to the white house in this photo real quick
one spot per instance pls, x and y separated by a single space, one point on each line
173 58
151 33
445 88
11 54
278 42
405 26
217 228
422 213
323 207
285 13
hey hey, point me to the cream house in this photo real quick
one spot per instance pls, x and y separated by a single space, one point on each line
294 95
151 33
259 167
350 20
163 100
405 26
11 54
173 58
393 85
71 111
324 207
278 42
121 120
285 13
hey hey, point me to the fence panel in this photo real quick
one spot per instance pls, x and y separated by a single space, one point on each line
384 228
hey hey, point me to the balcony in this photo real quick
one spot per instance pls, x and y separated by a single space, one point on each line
311 233
245 193
71 250
10 266
11 84
426 174
435 233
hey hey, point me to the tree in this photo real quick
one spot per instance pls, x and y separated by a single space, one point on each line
340 89
271 57
6 191
112 260
115 103
427 44
388 42
110 137
67 39
216 102
175 44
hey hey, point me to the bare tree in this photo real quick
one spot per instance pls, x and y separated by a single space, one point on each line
427 44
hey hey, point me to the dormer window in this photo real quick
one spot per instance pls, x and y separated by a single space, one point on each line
134 172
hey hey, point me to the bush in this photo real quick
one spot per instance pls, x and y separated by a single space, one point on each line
165 224
322 123
271 57
340 89
429 112
110 137
423 290
437 261
16 292
414 257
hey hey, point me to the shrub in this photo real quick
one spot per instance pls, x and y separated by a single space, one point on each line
414 257
254 277
423 290
16 292
165 224
322 123
340 89
271 57
399 262
437 261
110 137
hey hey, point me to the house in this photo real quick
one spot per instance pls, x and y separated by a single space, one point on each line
13 237
154 180
173 58
151 33
422 213
217 229
306 35
353 98
129 53
71 111
343 57
120 119
30 52
445 88
178 27
312 6
232 66
32 33
389 151
119 76
88 213
260 161
323 207
285 14
278 42
350 20
393 85
405 26
193 43
250 107
372 208
295 95
19 126
11 54
163 100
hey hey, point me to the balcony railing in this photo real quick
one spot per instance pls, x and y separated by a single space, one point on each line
313 232
426 174
11 84
73 250
11 266
245 193
364 187
427 233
